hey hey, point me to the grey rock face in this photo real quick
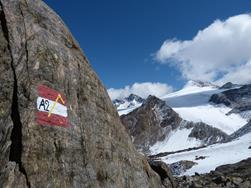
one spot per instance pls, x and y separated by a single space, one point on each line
238 99
94 151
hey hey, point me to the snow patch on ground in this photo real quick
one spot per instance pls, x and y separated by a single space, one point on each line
213 115
216 155
177 140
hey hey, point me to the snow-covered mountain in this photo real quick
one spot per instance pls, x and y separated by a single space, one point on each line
192 103
208 158
197 126
128 104
155 127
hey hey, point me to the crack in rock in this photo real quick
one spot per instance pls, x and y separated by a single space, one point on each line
16 147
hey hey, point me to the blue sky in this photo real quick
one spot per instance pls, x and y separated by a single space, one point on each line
120 37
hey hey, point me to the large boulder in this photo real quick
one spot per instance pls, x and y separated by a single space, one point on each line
164 171
92 149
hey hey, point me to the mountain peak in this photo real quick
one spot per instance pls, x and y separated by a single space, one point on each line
128 104
197 83
229 85
133 97
153 99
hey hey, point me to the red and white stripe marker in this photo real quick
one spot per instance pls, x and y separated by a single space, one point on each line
51 106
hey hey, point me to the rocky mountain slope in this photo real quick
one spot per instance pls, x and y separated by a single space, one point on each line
239 99
39 58
150 123
230 85
155 127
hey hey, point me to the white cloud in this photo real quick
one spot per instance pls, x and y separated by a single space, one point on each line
141 89
221 52
239 75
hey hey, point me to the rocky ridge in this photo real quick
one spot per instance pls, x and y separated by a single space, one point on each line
229 85
239 99
131 100
240 132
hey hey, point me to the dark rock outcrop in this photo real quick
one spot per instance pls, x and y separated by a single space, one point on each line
239 99
207 134
137 98
180 167
164 172
228 85
94 151
228 176
240 132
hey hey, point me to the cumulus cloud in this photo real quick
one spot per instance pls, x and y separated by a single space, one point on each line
239 75
221 52
141 89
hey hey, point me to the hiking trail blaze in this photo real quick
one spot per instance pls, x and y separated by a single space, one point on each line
51 106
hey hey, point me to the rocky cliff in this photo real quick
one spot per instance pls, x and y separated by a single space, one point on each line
238 99
39 57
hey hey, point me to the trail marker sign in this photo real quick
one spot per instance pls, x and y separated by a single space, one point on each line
51 106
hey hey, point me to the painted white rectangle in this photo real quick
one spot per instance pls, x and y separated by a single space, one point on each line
45 105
